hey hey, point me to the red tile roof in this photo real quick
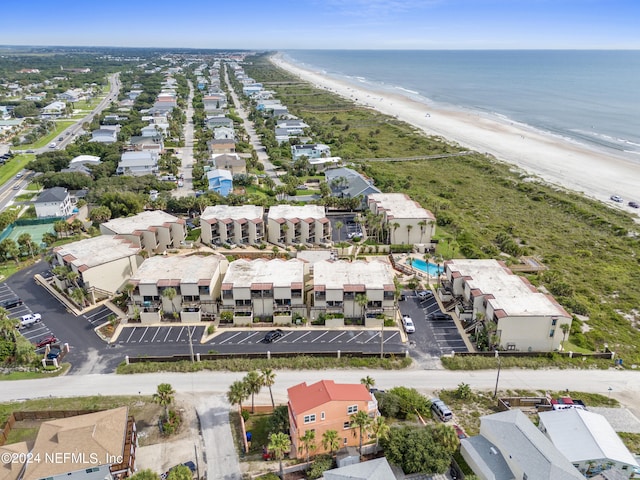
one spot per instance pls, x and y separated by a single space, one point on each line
303 397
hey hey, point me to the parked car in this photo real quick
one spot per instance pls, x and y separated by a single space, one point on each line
273 335
407 324
439 316
10 302
616 198
440 410
30 319
634 205
48 340
459 432
423 294
53 353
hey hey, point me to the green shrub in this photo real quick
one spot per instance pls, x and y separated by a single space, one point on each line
320 464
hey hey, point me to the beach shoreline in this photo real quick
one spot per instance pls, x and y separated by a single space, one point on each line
554 160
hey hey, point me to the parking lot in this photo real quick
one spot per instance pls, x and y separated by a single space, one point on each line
33 332
160 335
433 337
98 316
349 227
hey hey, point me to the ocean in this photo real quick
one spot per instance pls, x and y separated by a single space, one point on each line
587 96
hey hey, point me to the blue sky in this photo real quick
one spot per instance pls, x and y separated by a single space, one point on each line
325 24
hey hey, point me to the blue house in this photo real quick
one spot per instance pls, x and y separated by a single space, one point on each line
220 181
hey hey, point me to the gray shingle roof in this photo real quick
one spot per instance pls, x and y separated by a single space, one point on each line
55 194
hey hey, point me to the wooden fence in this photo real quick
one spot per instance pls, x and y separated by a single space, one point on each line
517 353
40 415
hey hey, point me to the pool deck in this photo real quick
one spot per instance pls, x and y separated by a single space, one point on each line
403 261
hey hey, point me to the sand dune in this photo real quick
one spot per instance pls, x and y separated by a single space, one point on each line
555 160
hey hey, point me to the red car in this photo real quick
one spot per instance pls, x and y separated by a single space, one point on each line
49 339
459 432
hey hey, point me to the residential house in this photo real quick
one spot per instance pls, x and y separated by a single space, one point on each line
327 405
53 110
53 202
222 133
298 225
230 161
242 224
71 96
510 447
268 290
104 135
103 263
312 150
218 121
339 287
407 221
525 319
153 230
322 163
587 440
153 143
154 130
347 183
81 164
292 126
220 181
196 280
221 145
376 469
138 163
94 446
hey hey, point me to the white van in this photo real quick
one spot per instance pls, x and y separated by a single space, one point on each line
440 410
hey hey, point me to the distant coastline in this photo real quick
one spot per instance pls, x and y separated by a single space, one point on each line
554 158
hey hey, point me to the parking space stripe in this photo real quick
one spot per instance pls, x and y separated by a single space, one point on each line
231 337
155 335
375 335
253 334
319 337
336 337
133 330
179 337
353 338
392 336
143 334
302 336
167 335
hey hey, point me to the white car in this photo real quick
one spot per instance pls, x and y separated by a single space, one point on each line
616 198
424 294
30 319
408 325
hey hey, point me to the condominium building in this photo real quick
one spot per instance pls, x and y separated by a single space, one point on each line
407 222
242 224
195 281
271 290
358 290
154 231
288 224
103 263
526 319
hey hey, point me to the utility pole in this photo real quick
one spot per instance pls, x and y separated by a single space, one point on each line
382 340
495 392
190 343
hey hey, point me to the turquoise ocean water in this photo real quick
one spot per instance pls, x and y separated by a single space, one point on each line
592 97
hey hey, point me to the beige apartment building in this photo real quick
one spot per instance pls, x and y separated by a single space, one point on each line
104 263
407 221
154 231
526 319
195 281
294 225
242 224
271 290
339 287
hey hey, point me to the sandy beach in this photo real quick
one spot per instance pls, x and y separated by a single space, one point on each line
555 160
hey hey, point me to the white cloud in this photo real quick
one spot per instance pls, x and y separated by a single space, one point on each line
369 8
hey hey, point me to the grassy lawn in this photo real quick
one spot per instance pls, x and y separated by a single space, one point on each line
25 197
27 434
17 163
34 375
307 192
258 425
193 235
34 186
61 125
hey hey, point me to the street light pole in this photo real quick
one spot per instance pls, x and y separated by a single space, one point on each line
495 392
382 340
190 343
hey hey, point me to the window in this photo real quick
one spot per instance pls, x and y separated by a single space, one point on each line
352 409
552 332
554 321
310 418
345 440
346 425
321 415
227 294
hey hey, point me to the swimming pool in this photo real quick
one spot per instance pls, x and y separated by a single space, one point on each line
425 267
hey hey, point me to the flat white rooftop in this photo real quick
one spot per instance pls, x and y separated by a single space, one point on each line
241 212
295 211
280 273
335 275
399 205
97 250
141 221
186 269
512 294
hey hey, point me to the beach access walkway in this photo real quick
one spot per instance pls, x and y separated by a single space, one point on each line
421 157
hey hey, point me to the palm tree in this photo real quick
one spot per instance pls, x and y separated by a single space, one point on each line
339 226
279 444
409 227
380 428
308 441
565 327
170 293
268 379
330 441
253 384
128 288
422 224
395 227
164 397
78 295
368 382
362 301
237 393
361 420
446 436
73 277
